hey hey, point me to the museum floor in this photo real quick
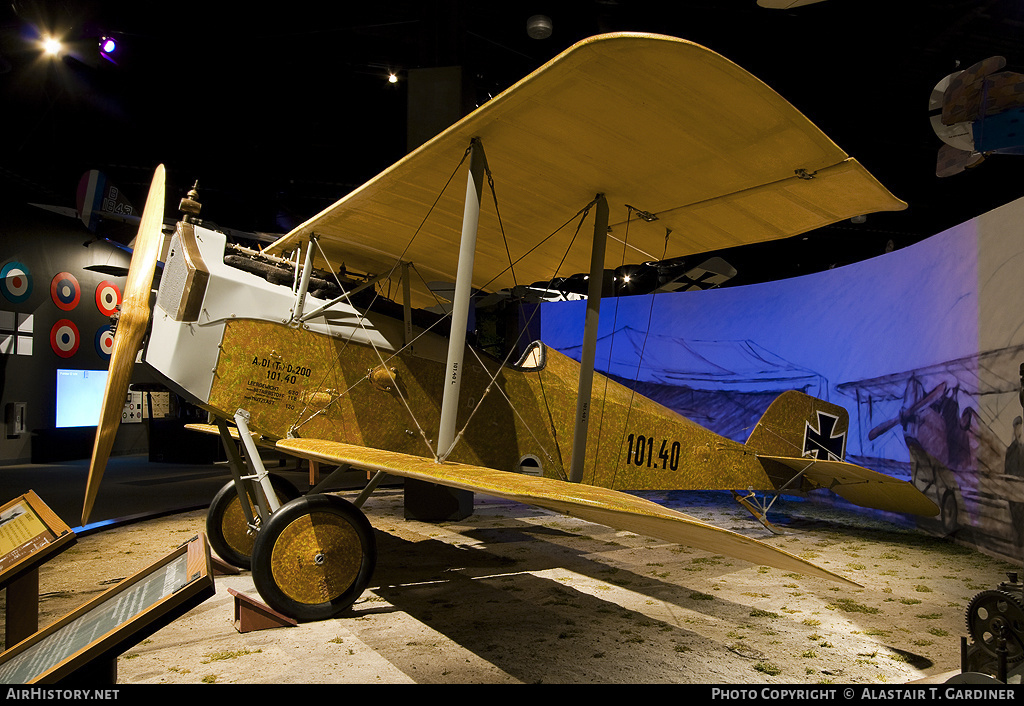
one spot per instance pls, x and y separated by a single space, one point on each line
132 487
516 594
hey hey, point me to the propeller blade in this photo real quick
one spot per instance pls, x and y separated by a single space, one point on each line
131 327
931 398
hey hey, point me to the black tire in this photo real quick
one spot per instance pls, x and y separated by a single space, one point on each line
950 513
314 557
226 526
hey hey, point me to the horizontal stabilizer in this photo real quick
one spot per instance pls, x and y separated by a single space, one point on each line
861 486
600 505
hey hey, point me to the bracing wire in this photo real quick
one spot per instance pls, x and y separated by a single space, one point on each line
582 213
501 224
383 362
300 422
639 362
493 377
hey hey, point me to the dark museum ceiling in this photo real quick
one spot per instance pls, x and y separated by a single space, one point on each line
281 110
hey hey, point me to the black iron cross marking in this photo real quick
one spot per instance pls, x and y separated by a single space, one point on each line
821 442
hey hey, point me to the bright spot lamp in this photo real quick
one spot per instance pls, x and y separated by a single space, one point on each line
392 78
108 48
51 46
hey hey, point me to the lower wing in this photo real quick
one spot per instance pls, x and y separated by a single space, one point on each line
600 505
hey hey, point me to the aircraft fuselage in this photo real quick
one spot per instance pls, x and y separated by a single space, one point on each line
349 378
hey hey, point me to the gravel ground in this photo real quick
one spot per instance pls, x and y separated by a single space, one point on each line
516 594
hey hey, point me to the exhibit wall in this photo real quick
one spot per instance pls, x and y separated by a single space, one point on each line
922 346
55 334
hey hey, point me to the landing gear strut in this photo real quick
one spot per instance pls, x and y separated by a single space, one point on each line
230 533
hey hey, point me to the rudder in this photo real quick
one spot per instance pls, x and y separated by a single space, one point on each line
797 424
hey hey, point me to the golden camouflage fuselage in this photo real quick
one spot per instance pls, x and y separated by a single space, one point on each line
347 380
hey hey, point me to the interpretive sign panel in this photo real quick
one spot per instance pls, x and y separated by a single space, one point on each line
30 533
116 619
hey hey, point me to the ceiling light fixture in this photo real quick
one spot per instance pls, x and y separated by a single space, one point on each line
539 27
109 49
52 46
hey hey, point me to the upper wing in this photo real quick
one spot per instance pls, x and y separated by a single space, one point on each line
861 486
600 505
654 122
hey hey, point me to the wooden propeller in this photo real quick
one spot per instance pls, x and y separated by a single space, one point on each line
931 398
131 327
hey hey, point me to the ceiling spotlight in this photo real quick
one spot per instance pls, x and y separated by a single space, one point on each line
392 78
52 46
539 27
108 48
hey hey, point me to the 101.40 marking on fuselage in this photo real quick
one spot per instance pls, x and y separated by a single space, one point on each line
640 452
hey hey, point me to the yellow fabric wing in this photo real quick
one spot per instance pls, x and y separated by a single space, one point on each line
599 505
653 122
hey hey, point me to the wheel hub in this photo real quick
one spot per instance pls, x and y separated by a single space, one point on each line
316 558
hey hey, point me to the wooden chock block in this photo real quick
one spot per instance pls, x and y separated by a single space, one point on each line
222 568
251 615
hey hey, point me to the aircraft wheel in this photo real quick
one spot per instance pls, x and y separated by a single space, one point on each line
950 514
314 557
226 526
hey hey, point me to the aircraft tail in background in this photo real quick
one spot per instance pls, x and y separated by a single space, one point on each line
98 198
801 443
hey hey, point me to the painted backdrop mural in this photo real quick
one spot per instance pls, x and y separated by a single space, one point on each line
923 346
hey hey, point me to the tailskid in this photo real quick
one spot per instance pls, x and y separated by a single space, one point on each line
758 509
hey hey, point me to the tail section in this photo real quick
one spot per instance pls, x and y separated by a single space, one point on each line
802 426
97 199
801 443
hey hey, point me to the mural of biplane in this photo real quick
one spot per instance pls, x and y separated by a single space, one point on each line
939 420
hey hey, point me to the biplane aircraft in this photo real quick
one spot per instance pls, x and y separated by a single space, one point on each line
663 148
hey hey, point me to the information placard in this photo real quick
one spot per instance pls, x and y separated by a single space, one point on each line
115 620
30 533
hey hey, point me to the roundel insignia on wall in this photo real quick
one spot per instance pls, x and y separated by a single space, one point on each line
15 282
64 291
64 338
105 342
108 298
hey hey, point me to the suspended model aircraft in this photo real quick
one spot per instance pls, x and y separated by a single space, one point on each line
297 354
977 112
97 199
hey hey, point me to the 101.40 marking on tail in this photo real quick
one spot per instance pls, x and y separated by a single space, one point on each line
640 452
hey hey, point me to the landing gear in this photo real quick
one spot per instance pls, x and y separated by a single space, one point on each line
230 535
950 519
313 557
759 510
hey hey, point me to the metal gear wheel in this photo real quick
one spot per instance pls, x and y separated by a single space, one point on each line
991 613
